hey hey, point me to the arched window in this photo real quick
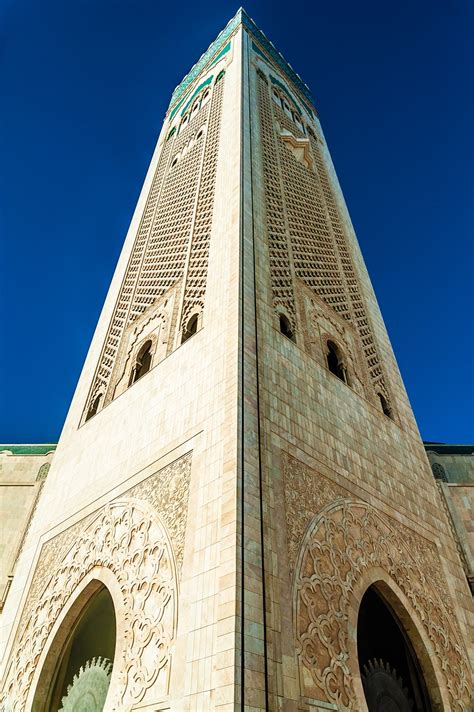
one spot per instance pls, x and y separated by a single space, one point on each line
205 97
298 122
94 406
385 406
200 133
439 472
142 364
174 161
285 327
171 133
191 328
219 76
335 362
195 108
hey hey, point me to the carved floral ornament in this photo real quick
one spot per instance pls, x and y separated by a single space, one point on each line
343 543
128 539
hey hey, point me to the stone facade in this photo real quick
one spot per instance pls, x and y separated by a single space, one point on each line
453 469
23 471
240 463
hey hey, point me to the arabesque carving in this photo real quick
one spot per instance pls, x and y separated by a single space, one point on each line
166 491
127 538
344 541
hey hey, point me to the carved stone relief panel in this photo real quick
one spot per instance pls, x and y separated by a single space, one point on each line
323 324
155 325
333 542
143 550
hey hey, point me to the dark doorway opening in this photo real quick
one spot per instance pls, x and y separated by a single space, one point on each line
391 675
83 670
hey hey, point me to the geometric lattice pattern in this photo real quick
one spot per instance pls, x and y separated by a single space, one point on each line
175 224
306 236
196 274
278 243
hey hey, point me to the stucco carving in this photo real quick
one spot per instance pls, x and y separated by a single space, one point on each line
344 540
167 492
128 538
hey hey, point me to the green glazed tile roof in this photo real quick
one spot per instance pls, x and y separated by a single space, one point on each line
42 449
221 45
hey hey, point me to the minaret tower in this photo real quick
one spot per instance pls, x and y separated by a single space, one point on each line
240 514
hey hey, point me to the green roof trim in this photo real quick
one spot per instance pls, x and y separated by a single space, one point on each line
289 95
283 88
176 108
221 45
210 54
201 86
221 54
173 113
29 449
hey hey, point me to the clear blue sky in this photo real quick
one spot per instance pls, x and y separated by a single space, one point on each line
83 88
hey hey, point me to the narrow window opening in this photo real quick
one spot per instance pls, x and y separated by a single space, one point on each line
191 328
199 134
143 363
385 406
94 407
219 76
171 133
285 328
335 364
439 472
174 162
287 110
298 122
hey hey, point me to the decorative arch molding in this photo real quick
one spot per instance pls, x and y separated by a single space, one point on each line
404 612
127 540
281 310
60 632
347 546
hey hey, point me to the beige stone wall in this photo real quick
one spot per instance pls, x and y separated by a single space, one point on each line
236 456
324 444
462 498
21 481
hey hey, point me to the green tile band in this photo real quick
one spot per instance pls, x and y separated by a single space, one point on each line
214 52
29 449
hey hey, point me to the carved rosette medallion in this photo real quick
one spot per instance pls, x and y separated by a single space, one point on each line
143 550
342 541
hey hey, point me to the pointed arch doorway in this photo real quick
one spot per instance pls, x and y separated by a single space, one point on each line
390 671
77 671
